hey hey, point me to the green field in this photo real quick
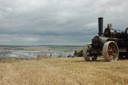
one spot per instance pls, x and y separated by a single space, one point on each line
63 71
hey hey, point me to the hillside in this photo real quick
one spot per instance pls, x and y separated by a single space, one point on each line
63 71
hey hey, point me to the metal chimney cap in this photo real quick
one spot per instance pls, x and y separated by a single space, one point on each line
100 18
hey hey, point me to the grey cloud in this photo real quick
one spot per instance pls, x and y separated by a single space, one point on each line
50 21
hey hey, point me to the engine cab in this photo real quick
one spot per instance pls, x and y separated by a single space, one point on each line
109 31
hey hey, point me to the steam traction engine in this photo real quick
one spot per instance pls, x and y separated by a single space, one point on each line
110 44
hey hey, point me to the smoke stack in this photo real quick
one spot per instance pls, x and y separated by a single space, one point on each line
100 22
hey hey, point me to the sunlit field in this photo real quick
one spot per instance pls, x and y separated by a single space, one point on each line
63 71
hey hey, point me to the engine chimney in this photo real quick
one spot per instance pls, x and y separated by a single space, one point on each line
100 22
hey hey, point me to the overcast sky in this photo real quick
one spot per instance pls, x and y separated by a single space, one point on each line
57 22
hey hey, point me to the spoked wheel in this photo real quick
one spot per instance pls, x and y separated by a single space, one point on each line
110 51
86 55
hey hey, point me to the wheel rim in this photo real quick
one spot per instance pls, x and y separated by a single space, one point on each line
110 51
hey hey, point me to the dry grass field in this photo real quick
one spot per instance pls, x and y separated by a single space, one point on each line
63 71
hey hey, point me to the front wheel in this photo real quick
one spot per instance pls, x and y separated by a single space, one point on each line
86 54
110 51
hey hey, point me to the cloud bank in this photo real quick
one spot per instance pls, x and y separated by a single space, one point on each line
55 22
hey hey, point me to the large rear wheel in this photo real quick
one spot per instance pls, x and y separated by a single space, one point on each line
110 51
